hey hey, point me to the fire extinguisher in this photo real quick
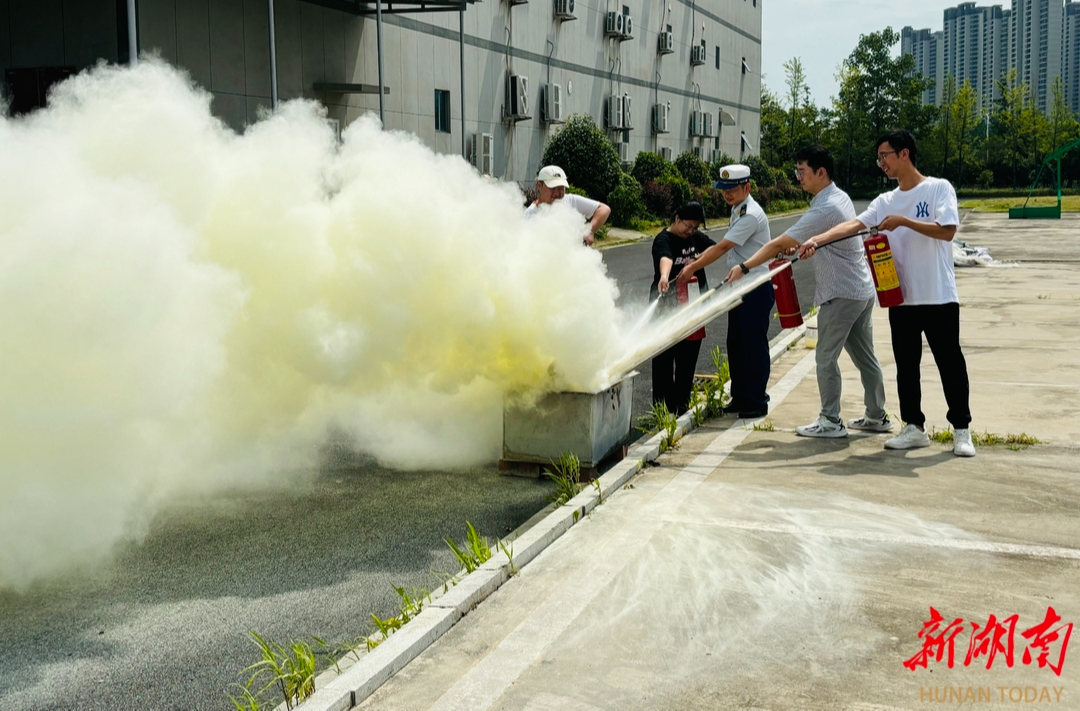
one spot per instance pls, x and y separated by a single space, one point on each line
787 299
682 295
883 269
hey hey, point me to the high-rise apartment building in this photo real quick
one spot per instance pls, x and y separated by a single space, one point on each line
1036 45
975 41
1040 39
926 47
1070 55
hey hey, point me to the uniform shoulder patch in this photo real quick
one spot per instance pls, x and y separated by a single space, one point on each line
742 210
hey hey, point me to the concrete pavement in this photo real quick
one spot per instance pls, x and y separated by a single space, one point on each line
755 570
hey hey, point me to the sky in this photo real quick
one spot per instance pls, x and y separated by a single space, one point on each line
824 32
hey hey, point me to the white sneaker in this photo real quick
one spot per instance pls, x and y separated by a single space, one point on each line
865 424
824 427
962 444
911 437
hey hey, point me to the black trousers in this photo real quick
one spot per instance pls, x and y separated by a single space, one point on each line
673 375
941 324
748 350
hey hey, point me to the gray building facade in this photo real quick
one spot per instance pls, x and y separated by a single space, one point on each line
1070 55
708 66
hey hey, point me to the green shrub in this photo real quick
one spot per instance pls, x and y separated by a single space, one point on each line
658 199
759 172
625 202
585 152
680 188
716 165
649 166
574 190
693 169
713 201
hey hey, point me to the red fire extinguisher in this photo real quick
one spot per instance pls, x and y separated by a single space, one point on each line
883 269
682 295
787 299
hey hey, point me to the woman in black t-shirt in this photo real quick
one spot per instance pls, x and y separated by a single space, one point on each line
676 246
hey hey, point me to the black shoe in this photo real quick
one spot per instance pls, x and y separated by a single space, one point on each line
752 414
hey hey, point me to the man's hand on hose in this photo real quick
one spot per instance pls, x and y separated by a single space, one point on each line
687 273
807 249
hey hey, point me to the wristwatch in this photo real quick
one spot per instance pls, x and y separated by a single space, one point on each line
742 266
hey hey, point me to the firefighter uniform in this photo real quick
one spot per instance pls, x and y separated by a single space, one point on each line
748 323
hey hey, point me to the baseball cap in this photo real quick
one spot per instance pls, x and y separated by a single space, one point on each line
732 176
553 176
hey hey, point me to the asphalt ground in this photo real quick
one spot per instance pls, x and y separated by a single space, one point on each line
164 625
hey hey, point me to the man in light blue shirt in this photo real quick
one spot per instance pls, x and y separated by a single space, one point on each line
844 293
748 323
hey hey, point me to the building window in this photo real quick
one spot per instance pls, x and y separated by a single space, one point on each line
442 110
717 56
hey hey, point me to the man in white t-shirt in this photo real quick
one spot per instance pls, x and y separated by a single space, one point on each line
552 183
920 217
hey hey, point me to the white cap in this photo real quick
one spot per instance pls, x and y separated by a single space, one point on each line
732 176
553 176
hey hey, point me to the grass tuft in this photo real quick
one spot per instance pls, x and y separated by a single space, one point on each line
474 552
1014 442
566 473
764 426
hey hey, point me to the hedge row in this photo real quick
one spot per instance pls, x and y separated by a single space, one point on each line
655 186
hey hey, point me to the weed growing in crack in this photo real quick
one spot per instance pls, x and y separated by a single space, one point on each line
661 420
566 473
474 552
290 669
766 426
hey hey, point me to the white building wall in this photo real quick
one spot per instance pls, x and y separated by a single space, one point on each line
224 45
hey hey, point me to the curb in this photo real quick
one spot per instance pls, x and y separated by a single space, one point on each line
354 684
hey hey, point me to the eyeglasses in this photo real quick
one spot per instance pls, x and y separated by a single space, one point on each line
800 172
881 156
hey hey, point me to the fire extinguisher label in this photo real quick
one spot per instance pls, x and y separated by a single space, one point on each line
885 270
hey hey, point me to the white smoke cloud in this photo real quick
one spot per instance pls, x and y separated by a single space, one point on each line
186 309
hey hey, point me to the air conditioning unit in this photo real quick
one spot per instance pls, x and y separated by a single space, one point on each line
613 113
696 123
481 152
665 153
628 114
614 24
667 43
628 27
707 124
660 118
517 97
552 103
564 10
623 150
697 55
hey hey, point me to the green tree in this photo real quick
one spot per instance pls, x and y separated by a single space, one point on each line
1017 123
964 114
773 128
847 133
888 96
584 151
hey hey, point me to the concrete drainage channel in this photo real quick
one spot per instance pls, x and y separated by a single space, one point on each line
360 678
